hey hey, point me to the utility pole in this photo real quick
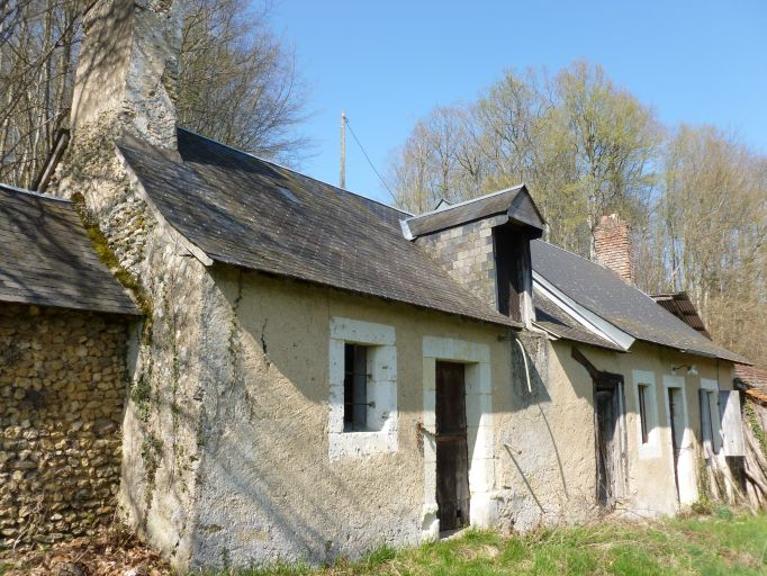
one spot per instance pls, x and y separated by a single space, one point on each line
342 171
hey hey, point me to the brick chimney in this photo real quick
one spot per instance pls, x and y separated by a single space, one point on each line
128 71
613 247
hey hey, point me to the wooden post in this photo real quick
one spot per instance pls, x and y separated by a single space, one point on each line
342 170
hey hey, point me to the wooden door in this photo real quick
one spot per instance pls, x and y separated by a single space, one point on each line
677 429
608 405
452 448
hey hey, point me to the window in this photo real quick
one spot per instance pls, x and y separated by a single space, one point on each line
646 403
643 424
355 387
707 422
363 389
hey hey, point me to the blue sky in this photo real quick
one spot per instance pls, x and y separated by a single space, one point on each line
388 63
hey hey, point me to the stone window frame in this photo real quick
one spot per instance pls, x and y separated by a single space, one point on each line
480 431
687 488
382 387
652 448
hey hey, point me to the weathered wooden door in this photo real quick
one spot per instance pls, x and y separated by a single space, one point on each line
677 430
608 404
452 448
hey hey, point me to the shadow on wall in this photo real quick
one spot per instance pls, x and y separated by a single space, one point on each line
268 490
109 35
542 430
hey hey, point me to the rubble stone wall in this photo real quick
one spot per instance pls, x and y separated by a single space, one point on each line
62 390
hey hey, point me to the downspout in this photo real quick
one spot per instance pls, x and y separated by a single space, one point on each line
548 427
527 368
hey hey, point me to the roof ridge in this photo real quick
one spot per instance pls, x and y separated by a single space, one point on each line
469 201
11 188
294 171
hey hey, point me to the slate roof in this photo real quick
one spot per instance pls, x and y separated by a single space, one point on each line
248 212
47 258
604 293
556 321
515 202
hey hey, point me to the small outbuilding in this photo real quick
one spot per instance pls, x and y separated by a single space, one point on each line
64 323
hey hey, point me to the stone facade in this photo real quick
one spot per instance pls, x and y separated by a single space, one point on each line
613 246
182 350
62 390
467 253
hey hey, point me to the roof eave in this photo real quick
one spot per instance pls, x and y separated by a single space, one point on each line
128 309
501 323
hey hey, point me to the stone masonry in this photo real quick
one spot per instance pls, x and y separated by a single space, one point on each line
613 247
62 385
467 253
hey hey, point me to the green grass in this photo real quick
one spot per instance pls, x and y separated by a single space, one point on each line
720 544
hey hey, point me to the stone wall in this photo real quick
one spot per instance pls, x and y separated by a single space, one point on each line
128 60
62 387
466 252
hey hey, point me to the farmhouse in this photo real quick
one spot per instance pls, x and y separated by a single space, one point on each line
315 374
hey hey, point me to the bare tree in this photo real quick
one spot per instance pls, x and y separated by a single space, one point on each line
710 235
614 139
238 82
697 200
583 146
438 161
38 46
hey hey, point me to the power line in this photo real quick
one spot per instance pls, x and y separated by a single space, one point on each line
357 140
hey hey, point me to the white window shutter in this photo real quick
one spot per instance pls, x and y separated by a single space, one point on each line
706 431
732 428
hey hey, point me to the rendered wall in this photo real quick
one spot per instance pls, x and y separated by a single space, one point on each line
546 471
126 85
270 488
650 485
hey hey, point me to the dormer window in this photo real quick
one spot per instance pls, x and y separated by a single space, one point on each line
484 244
511 246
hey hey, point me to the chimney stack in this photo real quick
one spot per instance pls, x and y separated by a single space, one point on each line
128 70
613 246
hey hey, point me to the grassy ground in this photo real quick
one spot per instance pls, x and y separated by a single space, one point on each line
710 545
720 543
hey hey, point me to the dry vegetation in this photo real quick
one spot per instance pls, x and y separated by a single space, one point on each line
115 552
